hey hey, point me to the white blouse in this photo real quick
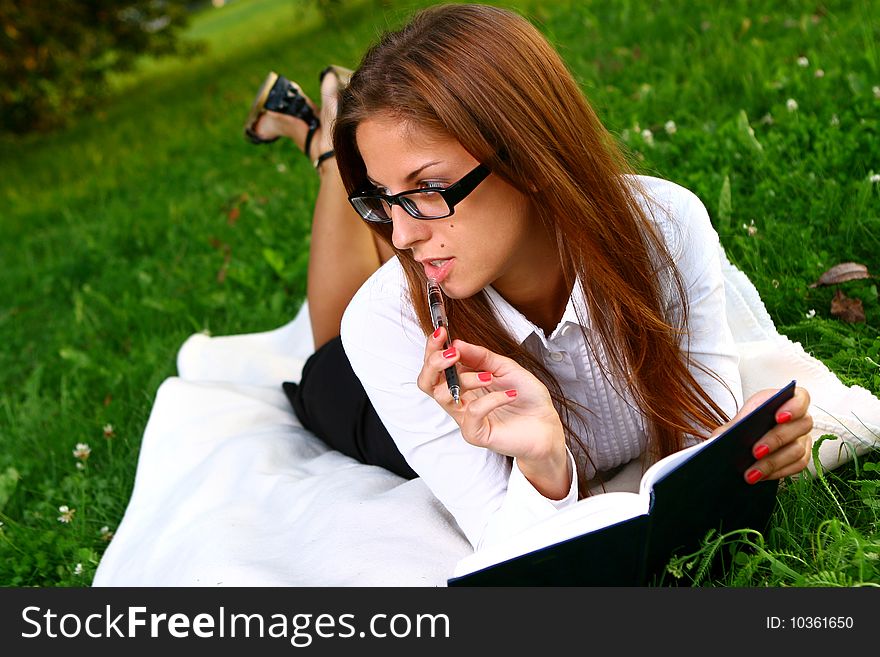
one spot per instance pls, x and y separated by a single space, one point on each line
485 492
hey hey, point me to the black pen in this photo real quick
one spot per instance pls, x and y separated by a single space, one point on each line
438 319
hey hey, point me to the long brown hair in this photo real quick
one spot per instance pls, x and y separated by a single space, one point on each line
487 77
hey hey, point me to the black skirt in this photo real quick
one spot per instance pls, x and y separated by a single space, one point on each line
331 403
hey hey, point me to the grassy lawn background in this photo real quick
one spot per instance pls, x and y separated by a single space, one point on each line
153 218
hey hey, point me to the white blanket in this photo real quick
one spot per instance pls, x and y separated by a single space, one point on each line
230 490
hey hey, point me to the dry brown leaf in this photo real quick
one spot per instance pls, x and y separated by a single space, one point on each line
847 309
845 271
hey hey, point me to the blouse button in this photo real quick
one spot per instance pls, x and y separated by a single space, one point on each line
556 357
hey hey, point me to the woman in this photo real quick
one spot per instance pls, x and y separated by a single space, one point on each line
586 303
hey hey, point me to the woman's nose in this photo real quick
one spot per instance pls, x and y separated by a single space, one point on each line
407 230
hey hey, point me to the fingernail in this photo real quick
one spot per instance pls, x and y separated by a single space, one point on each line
754 476
437 334
783 417
510 393
761 451
484 376
449 353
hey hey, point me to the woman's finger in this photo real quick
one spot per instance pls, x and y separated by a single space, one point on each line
795 407
468 381
435 361
781 435
474 427
479 358
789 460
474 380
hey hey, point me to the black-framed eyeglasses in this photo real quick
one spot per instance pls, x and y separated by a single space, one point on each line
425 203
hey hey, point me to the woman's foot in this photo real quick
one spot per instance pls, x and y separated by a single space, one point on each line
271 125
333 80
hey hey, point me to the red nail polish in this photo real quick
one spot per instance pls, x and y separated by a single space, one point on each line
510 393
484 376
449 353
761 451
437 334
754 476
783 417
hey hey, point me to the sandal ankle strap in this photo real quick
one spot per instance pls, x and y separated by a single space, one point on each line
322 157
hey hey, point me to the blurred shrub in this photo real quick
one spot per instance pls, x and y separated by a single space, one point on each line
55 56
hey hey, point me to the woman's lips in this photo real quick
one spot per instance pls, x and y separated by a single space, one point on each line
440 270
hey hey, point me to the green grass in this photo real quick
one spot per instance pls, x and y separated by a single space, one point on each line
153 219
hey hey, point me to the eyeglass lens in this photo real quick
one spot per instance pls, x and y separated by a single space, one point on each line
423 204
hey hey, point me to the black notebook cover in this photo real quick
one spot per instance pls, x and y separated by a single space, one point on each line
707 491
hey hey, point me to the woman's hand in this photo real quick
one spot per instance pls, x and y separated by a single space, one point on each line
504 407
785 449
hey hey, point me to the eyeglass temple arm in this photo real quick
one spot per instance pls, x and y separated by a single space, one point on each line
457 191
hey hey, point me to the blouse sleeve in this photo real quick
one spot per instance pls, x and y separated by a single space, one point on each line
485 492
695 247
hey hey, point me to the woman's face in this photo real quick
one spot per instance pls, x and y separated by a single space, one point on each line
491 239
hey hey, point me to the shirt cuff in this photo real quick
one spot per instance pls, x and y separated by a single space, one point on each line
522 489
523 506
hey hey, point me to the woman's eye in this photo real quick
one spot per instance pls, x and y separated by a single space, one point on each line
432 184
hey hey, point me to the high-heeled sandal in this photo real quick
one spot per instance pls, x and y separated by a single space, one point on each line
343 75
278 94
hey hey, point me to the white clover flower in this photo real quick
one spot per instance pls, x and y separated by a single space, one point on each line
751 228
670 127
106 534
280 167
876 90
774 283
82 451
66 514
835 121
767 119
648 136
791 105
803 62
874 178
819 73
811 313
109 432
78 569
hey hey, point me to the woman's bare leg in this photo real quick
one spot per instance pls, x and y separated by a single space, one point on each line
342 255
343 251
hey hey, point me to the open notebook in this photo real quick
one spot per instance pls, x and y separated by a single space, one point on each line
627 538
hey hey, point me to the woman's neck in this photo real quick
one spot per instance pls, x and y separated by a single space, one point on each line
545 310
538 289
